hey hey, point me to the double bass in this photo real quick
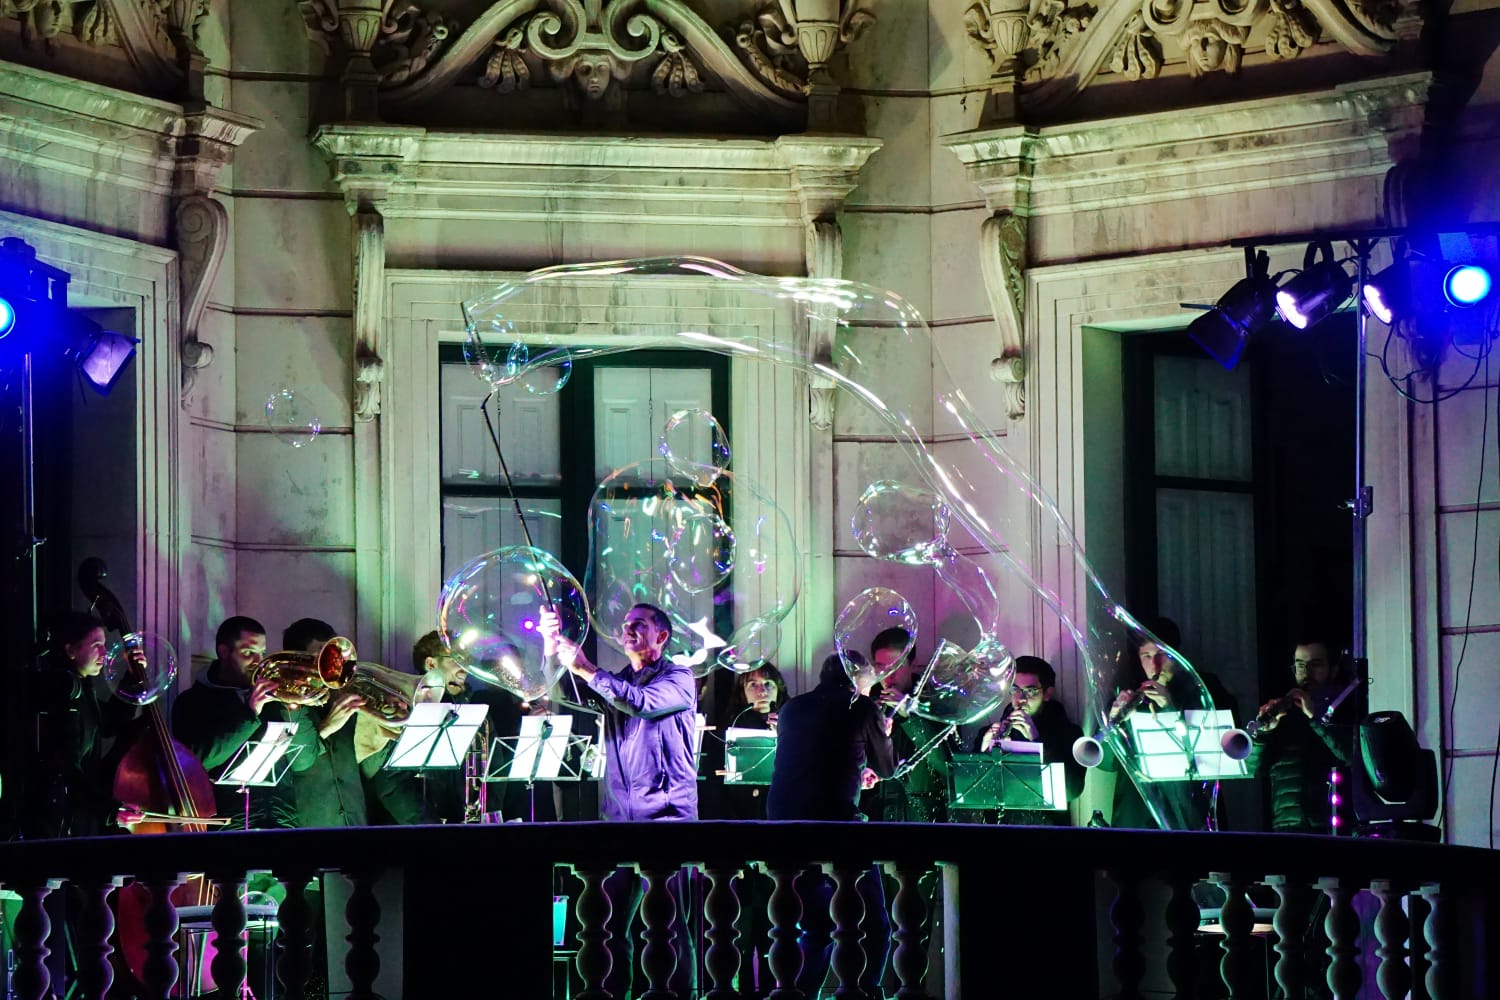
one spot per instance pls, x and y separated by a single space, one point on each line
158 775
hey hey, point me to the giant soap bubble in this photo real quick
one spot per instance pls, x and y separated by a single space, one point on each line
140 667
489 614
867 615
695 445
963 511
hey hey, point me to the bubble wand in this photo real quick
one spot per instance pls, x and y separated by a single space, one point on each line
484 408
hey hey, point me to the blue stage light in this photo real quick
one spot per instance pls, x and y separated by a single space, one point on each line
7 316
1467 285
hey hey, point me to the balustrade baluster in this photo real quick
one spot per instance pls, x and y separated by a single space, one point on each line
1434 934
658 959
1290 925
909 914
1126 914
785 911
1342 929
1237 967
1182 935
362 963
228 922
847 910
1393 975
593 910
722 908
294 932
160 968
32 945
95 925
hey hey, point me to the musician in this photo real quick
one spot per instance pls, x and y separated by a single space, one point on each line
832 742
330 791
403 796
225 709
753 704
922 795
1295 749
1034 715
67 785
651 770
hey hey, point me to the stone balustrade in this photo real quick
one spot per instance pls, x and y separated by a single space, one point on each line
977 909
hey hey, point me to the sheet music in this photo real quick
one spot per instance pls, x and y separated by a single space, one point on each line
437 735
552 746
260 756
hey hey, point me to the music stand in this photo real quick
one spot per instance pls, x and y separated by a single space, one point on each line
1183 746
437 735
1006 781
749 756
261 763
543 751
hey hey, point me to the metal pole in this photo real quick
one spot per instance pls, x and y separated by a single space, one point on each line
1363 503
28 489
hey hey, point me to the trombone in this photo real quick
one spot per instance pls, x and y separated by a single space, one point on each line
303 678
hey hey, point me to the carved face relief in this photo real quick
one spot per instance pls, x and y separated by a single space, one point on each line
1211 46
592 73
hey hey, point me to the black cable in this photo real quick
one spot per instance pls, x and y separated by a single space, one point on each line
1495 764
1473 566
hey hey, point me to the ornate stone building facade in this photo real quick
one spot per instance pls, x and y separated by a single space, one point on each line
299 193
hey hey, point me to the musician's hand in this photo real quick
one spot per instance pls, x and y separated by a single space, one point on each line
1121 701
262 692
1024 726
890 697
868 779
1302 701
128 816
771 722
988 739
136 655
1267 712
1156 694
340 710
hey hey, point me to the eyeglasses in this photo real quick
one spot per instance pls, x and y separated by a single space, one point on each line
1029 692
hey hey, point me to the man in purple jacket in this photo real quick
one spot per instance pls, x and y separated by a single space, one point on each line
650 770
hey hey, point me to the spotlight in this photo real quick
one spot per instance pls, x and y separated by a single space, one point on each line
1388 294
1466 285
7 316
1314 294
1224 329
101 355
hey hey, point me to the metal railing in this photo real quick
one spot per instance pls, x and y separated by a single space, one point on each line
977 911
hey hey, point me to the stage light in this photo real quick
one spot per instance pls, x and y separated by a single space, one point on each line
1245 308
1466 285
1388 294
101 355
1314 294
7 316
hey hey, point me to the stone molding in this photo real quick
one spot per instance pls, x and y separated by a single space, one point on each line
67 142
160 38
395 172
401 54
1043 53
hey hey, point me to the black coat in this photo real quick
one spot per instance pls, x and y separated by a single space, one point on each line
70 747
213 720
824 739
1296 757
1056 733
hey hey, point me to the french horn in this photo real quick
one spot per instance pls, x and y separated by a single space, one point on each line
302 678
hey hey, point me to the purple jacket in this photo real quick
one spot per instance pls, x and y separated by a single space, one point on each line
651 771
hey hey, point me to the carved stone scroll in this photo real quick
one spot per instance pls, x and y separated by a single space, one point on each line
1002 263
369 312
202 233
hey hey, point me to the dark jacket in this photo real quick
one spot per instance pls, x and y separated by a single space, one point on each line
1296 757
651 770
70 752
921 796
213 720
824 740
1056 733
330 791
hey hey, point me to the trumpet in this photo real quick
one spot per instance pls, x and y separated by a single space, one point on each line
301 678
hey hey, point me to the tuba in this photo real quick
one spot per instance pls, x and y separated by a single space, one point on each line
302 678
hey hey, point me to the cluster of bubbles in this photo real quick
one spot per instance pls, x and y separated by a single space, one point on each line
675 536
291 418
698 537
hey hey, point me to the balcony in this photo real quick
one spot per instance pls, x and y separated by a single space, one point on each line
977 911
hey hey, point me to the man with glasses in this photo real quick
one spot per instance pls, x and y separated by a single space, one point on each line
1295 749
1035 716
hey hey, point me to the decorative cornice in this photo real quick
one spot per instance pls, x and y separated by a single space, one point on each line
1045 52
160 38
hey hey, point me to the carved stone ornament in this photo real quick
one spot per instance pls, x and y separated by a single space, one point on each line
44 21
1002 263
1056 48
369 285
811 29
591 46
160 37
202 233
